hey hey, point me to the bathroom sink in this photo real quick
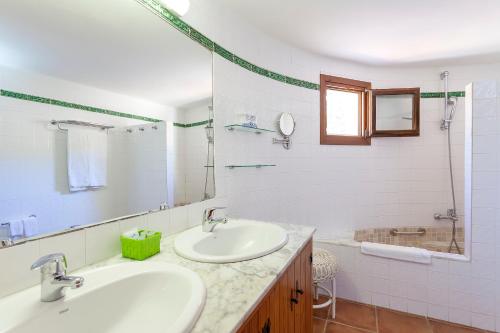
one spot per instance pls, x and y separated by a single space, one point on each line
129 297
237 240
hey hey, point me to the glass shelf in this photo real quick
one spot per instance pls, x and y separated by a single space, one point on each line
249 166
255 130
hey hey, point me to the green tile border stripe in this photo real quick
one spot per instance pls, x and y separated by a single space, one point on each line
51 101
206 42
441 94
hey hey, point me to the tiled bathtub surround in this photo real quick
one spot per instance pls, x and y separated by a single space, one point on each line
435 238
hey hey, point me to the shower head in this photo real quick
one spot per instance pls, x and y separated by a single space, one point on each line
444 74
452 100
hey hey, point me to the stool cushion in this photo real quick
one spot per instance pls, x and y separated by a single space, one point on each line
324 265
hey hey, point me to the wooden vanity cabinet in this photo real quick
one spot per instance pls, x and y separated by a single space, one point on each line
287 307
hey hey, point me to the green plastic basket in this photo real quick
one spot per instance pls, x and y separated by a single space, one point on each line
140 249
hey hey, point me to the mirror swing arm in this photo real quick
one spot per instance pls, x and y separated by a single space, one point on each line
285 141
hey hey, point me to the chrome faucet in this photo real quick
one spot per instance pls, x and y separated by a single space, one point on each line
450 215
53 277
209 222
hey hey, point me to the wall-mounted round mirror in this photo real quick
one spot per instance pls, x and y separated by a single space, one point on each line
286 124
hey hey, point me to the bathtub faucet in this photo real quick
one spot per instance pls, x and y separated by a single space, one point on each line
451 215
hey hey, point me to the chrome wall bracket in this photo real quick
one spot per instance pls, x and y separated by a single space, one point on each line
285 142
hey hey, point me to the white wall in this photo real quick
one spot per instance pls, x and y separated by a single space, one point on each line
191 145
196 151
137 169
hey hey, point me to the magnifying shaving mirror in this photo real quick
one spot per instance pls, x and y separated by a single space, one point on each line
286 127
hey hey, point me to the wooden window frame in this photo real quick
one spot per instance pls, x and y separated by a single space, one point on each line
415 131
340 83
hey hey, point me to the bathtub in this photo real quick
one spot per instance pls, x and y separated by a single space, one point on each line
432 238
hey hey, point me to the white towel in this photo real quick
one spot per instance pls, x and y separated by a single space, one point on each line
16 228
412 254
30 225
87 159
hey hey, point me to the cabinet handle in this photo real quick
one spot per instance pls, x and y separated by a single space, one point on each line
293 300
298 291
267 326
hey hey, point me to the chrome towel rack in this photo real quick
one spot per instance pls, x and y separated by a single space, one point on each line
78 123
419 232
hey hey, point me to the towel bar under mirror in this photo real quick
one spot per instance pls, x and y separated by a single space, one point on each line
152 115
256 130
257 166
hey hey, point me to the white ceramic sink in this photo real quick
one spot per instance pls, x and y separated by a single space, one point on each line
237 240
129 297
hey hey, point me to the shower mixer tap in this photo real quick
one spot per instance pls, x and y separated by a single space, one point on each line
451 215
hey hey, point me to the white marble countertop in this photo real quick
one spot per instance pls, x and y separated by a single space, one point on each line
233 290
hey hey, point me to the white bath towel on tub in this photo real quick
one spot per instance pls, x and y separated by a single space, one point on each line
412 254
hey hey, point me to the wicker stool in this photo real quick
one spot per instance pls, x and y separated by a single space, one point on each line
324 270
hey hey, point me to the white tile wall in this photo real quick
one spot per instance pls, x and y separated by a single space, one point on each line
393 182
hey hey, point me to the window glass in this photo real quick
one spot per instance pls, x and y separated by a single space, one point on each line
342 112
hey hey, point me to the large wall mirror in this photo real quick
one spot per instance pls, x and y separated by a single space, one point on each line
105 111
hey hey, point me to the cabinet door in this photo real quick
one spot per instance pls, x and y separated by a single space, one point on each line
251 325
264 315
286 307
298 287
308 290
274 310
303 290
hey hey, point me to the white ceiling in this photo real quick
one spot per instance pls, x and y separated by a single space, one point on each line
116 45
382 32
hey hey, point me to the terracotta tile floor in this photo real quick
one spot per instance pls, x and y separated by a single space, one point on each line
355 317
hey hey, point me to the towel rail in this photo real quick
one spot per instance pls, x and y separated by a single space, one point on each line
8 223
419 232
79 123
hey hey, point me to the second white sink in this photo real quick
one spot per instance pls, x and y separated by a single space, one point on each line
128 297
237 240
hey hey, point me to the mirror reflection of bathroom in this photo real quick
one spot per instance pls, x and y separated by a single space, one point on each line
133 118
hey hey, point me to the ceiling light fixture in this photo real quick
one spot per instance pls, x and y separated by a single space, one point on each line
179 7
